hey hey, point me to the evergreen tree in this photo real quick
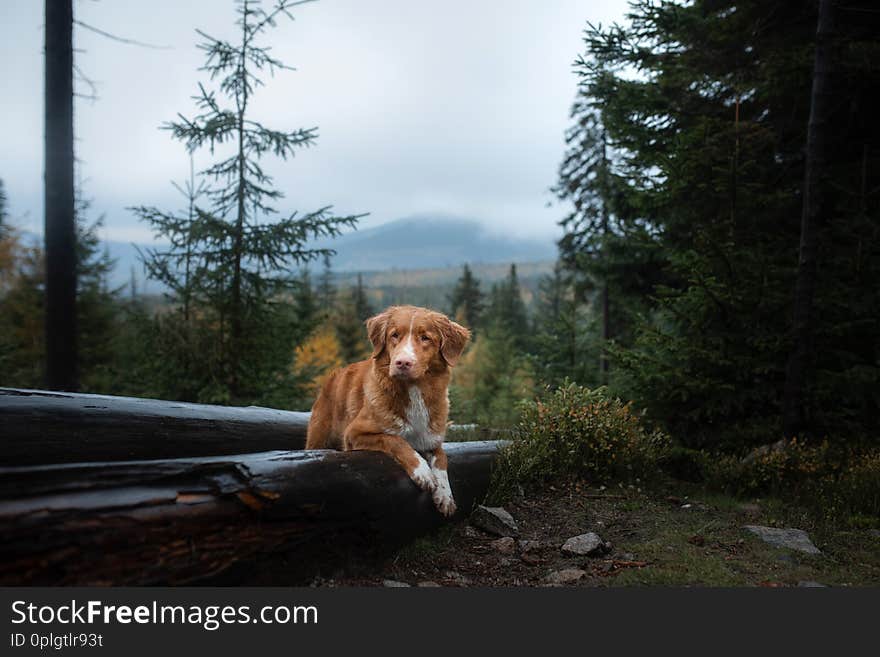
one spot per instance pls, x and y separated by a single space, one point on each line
307 312
3 225
466 301
23 307
349 320
490 379
362 307
565 342
326 286
239 249
705 186
507 310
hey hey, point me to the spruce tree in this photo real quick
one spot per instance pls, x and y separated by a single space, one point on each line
241 250
707 175
466 301
326 286
566 339
507 310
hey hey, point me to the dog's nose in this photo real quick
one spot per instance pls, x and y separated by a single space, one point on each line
403 363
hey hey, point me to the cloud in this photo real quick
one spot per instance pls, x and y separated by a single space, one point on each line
455 108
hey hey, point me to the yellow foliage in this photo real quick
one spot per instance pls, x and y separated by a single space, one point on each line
315 358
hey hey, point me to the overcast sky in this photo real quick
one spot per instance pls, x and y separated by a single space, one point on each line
453 108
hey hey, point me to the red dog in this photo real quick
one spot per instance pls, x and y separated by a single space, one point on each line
396 402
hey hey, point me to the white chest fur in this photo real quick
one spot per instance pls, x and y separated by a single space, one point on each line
416 426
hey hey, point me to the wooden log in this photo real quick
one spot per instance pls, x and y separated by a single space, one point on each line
38 427
182 520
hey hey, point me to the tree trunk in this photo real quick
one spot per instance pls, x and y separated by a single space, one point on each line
59 227
40 428
177 521
812 220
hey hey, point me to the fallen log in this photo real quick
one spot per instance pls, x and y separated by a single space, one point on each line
175 521
38 427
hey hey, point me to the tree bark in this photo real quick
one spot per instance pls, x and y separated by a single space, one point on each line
812 219
59 226
178 521
41 428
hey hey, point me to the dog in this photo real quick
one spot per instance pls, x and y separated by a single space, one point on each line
396 401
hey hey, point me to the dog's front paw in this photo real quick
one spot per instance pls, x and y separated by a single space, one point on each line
444 503
443 494
424 477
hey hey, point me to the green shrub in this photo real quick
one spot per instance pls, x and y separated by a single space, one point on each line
576 432
839 483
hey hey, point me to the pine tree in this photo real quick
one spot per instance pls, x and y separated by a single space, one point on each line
566 337
363 309
326 286
705 185
3 225
240 250
349 320
507 310
466 300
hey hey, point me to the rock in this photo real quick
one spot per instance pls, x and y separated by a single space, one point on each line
394 584
874 532
457 578
530 546
505 545
566 576
589 544
494 520
811 585
530 559
428 585
793 539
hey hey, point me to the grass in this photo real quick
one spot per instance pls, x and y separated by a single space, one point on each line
655 542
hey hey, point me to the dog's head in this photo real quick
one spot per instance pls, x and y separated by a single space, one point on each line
412 341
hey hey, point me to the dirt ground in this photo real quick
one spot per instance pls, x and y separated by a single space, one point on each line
677 535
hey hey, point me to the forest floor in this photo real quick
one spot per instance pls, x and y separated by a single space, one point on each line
675 535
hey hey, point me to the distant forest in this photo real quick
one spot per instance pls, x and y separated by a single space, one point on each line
720 267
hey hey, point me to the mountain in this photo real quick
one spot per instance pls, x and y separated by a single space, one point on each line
428 242
413 243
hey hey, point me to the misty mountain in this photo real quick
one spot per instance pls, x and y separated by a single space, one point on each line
430 243
414 243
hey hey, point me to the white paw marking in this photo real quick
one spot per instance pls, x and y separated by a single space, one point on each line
423 476
443 493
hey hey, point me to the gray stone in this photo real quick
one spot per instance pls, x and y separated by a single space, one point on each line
394 584
494 520
457 578
874 532
566 576
811 585
428 585
504 545
793 539
588 544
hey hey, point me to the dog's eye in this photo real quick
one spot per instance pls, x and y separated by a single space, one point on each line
395 335
425 338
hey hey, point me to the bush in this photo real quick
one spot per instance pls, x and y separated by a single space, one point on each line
576 432
840 483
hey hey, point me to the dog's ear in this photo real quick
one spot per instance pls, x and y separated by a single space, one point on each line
453 338
377 327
